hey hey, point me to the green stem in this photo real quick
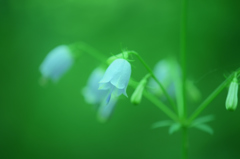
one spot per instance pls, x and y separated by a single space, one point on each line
91 51
184 143
210 98
156 101
182 105
155 78
183 33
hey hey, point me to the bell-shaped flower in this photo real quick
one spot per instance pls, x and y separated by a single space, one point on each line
91 92
116 78
168 72
98 97
164 71
56 63
105 110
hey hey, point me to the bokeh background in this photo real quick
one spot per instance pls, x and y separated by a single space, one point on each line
55 122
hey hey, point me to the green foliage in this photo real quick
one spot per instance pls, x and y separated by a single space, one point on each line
174 128
205 128
202 120
162 124
55 122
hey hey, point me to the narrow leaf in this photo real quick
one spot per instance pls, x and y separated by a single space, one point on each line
160 124
174 127
205 128
202 120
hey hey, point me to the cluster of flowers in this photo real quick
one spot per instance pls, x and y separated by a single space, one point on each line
104 86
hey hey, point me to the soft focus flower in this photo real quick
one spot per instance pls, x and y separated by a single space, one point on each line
105 110
91 92
116 78
56 63
232 97
164 71
98 97
168 72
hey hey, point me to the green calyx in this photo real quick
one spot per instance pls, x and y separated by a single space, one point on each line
123 55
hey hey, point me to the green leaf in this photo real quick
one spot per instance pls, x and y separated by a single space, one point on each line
162 124
205 128
202 120
174 127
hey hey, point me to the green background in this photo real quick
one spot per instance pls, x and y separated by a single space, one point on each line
55 122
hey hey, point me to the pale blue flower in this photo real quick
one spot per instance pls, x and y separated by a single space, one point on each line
116 78
91 92
98 97
164 71
168 72
105 110
56 63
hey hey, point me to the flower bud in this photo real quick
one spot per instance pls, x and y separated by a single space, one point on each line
232 97
137 94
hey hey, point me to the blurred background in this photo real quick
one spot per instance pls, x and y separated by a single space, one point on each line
55 122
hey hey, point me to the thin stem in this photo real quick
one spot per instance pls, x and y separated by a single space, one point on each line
183 41
210 98
179 95
184 143
182 105
156 101
155 78
91 51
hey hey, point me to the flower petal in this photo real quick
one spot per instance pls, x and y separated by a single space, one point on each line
121 79
106 110
57 62
91 92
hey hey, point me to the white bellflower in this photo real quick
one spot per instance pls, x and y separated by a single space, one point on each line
91 92
164 73
56 63
98 97
116 78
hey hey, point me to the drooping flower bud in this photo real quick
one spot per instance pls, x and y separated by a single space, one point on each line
116 78
137 94
56 63
232 97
